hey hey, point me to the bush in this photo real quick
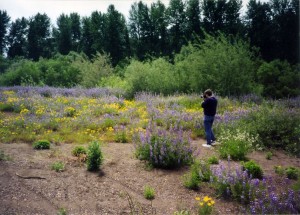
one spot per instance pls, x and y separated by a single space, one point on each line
121 137
41 144
235 149
292 173
78 151
192 179
164 148
58 166
213 160
269 155
149 192
95 158
253 169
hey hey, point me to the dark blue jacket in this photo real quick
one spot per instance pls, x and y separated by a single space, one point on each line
210 106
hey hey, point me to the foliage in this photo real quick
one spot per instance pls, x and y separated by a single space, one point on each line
206 64
234 149
78 151
192 179
269 155
41 144
253 169
205 205
95 158
279 79
121 137
164 148
292 173
149 192
213 160
58 166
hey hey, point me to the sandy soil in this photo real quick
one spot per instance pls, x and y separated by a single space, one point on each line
29 186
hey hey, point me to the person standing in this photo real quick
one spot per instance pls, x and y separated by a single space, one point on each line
209 106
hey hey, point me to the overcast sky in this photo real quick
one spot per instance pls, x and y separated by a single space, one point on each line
53 8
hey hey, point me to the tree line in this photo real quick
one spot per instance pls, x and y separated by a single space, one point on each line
154 31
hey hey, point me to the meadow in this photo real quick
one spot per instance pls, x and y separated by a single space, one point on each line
160 135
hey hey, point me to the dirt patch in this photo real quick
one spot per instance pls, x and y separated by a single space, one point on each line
29 186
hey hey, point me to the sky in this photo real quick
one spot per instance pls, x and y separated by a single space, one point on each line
53 8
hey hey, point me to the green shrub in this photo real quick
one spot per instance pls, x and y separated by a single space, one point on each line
149 192
253 169
7 107
62 211
269 155
58 166
41 144
192 179
79 150
94 159
213 160
279 170
235 149
292 173
121 137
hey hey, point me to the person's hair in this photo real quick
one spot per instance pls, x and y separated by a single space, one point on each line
208 92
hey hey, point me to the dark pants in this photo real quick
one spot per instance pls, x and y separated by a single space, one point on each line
208 122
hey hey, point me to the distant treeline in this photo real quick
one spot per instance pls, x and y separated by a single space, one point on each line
229 66
154 31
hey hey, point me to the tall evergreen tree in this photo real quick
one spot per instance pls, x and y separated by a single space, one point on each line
193 13
98 25
177 23
64 34
4 24
39 41
17 38
75 31
116 36
159 25
260 28
233 23
87 41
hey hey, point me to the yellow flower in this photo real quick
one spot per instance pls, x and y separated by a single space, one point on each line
209 204
197 198
206 199
201 203
212 202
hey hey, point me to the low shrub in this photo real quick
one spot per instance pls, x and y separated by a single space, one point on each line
192 179
269 155
95 158
58 166
279 170
235 149
164 148
253 169
79 150
149 192
41 144
213 160
121 137
292 173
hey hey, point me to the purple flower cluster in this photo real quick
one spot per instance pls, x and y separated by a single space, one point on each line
164 148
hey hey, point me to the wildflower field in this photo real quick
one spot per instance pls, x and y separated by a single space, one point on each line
148 141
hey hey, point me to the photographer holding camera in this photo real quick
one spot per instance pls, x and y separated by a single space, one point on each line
209 106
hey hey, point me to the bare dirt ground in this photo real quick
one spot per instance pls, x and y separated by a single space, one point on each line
29 186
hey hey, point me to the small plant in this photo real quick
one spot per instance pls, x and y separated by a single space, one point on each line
213 160
236 149
183 212
192 179
292 173
78 151
149 192
41 144
205 206
58 166
121 137
253 169
62 211
94 159
279 170
4 157
269 155
70 111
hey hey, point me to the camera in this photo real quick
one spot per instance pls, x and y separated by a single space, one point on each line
203 96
